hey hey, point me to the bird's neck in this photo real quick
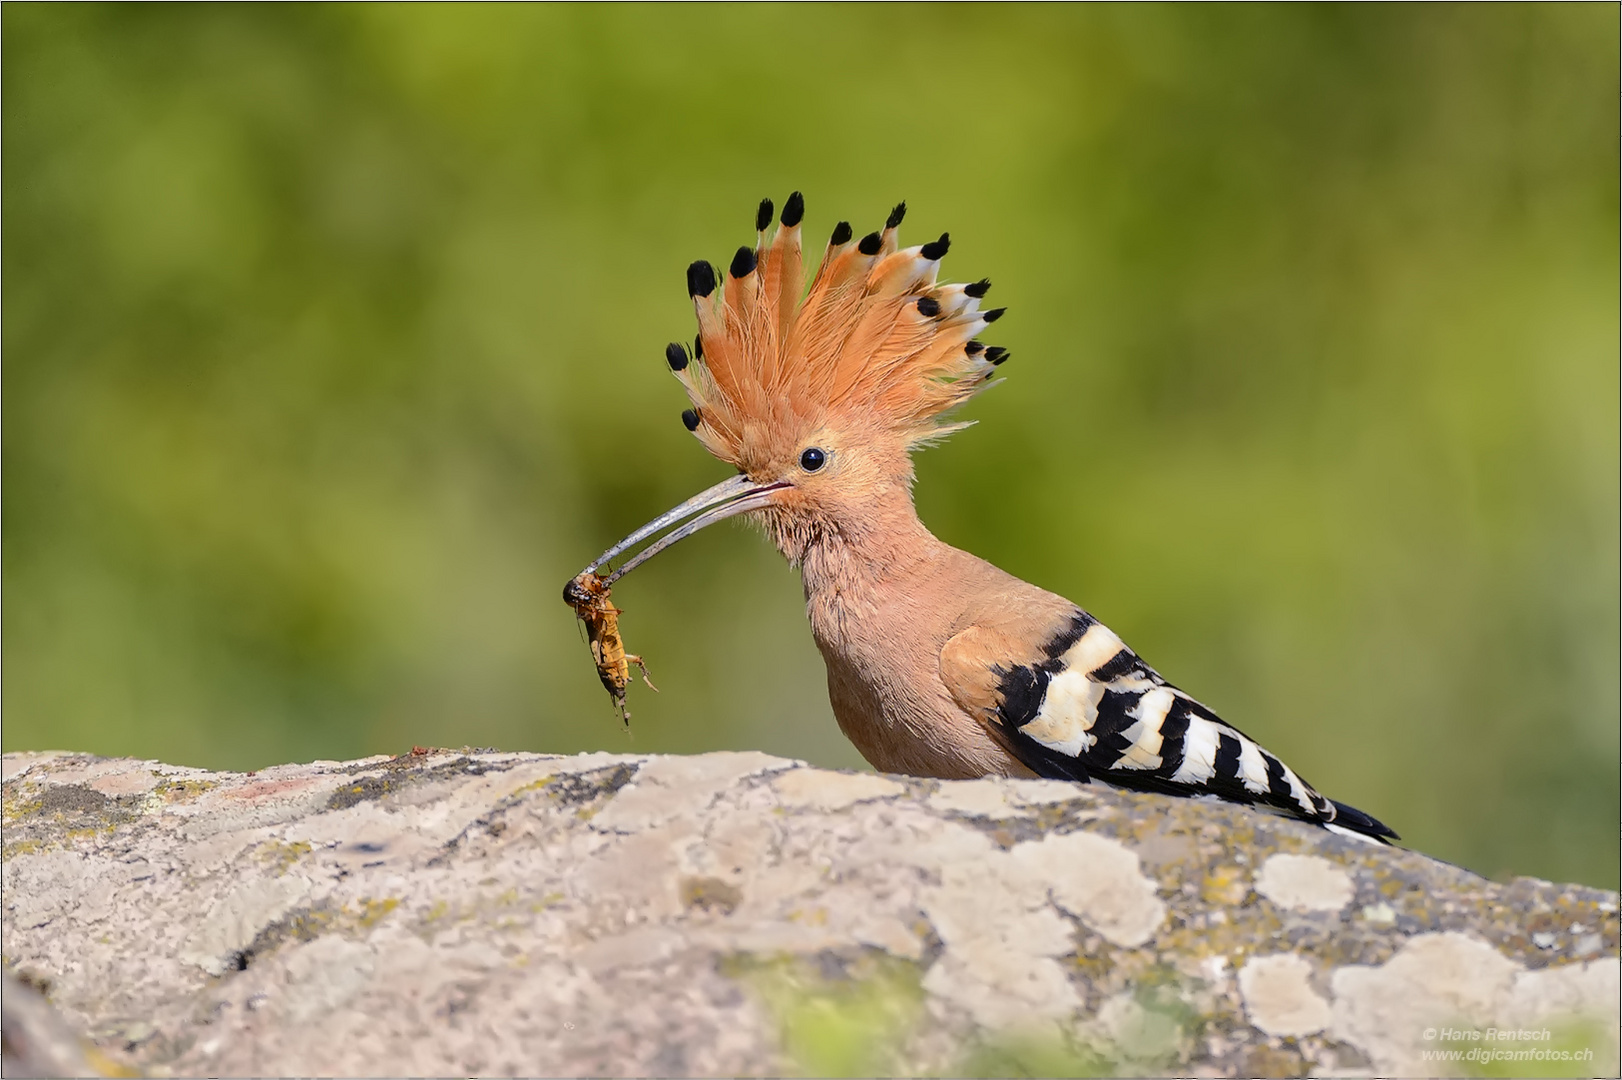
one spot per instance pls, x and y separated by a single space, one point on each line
849 566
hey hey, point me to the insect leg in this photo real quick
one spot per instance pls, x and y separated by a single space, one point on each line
637 660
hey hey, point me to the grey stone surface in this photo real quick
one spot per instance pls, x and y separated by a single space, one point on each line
489 913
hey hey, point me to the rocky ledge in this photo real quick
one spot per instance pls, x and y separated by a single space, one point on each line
469 912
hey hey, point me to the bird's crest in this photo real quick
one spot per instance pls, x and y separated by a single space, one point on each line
875 340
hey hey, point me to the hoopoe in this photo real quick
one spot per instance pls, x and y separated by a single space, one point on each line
939 664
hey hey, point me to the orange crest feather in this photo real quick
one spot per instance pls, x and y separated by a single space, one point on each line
875 340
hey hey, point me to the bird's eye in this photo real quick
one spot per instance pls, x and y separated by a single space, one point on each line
813 459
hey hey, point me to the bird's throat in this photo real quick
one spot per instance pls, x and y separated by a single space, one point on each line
852 571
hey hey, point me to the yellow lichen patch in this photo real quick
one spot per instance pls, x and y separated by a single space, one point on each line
1095 965
1220 937
311 924
18 848
440 916
280 855
496 909
1226 886
372 911
106 1065
533 785
20 802
183 789
586 791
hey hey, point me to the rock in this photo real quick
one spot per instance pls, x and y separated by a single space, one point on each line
462 912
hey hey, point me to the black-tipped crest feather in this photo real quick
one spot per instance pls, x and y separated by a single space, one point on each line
793 210
700 279
772 356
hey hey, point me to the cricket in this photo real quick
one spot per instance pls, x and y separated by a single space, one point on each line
588 594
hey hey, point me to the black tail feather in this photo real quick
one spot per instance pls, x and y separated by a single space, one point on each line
1350 817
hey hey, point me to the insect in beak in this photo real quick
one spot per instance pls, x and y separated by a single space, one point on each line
733 496
588 593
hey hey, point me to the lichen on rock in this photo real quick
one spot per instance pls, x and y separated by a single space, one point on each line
479 912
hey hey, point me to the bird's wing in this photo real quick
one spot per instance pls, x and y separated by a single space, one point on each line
1080 704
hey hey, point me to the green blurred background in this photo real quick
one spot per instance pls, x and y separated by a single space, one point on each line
333 347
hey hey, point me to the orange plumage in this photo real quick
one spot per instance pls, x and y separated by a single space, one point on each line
875 339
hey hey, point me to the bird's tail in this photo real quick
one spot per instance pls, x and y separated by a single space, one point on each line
1351 821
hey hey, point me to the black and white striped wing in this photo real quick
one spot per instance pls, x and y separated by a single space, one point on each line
1088 706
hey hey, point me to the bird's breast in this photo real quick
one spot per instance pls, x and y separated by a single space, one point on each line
885 687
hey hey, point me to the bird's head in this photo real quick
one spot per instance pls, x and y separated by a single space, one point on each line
819 401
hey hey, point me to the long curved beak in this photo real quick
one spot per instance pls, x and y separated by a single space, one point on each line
733 496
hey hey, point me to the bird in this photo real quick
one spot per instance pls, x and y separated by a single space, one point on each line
939 664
